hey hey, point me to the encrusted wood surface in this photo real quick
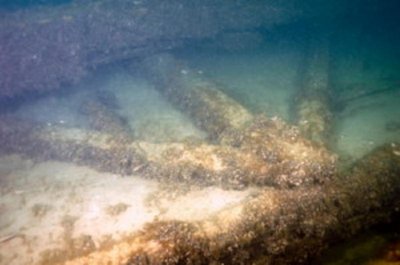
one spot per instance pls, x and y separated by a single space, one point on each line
230 124
199 97
276 226
279 224
195 163
312 102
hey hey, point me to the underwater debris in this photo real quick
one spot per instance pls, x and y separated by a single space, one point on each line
295 160
227 122
291 163
252 150
312 109
203 100
90 148
301 205
274 227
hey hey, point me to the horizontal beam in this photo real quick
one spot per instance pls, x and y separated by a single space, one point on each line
194 163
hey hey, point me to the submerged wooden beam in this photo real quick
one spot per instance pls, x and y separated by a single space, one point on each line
199 97
312 108
229 123
194 163
276 226
42 142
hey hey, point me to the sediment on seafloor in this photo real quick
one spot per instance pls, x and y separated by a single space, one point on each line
274 227
312 102
229 123
194 163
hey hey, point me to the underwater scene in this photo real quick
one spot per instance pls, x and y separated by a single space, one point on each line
199 132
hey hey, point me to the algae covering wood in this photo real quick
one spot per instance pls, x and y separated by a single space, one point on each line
194 163
68 211
203 100
293 160
313 100
45 48
275 227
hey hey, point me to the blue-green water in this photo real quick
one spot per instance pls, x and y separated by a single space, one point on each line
21 4
55 56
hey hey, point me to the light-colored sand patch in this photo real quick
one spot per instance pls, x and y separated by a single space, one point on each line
203 203
152 116
44 206
39 200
